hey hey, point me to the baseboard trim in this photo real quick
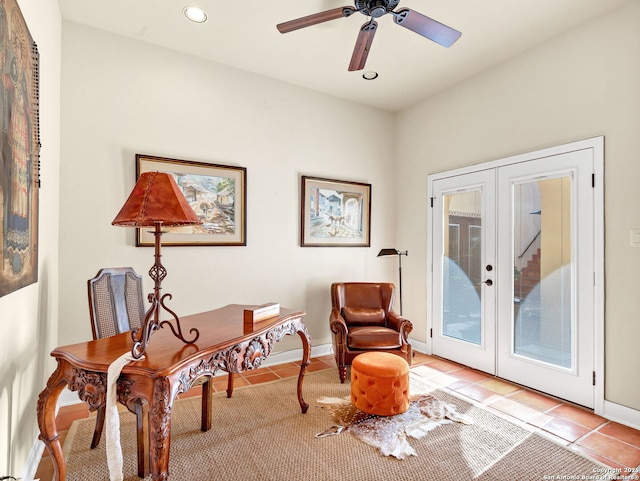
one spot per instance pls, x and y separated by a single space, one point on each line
419 346
621 414
33 461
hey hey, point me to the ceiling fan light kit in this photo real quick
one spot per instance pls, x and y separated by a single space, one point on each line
405 17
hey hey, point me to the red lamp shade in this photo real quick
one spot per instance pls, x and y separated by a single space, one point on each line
156 199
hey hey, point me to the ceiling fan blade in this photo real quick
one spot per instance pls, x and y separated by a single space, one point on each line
427 27
314 19
363 45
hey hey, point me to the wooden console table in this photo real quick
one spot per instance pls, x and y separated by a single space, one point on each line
169 367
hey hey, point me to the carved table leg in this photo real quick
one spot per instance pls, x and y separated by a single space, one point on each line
207 394
160 430
230 384
306 356
47 419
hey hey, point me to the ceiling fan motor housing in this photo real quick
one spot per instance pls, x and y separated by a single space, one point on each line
375 8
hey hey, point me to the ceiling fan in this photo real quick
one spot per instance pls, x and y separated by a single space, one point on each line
405 17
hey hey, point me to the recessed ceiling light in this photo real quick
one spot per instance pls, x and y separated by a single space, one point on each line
370 75
195 14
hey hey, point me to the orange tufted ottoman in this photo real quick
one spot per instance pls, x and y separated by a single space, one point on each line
380 383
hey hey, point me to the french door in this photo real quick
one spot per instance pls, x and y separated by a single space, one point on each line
464 298
512 253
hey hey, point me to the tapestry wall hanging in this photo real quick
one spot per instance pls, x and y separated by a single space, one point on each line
19 150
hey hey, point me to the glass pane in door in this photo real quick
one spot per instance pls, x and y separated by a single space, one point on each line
462 266
542 289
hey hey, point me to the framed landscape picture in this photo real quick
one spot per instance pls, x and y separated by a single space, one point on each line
335 213
216 193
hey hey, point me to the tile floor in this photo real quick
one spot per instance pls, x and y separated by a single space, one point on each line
611 443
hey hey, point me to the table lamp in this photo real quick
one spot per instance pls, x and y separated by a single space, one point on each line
394 252
156 201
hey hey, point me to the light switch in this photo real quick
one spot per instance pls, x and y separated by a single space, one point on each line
635 237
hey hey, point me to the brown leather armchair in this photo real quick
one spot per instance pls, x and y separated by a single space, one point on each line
362 319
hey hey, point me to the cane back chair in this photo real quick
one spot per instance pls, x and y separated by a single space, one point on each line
116 305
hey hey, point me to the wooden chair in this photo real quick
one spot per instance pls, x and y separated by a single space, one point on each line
116 305
362 320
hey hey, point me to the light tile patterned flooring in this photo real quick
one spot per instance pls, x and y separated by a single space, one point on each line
611 443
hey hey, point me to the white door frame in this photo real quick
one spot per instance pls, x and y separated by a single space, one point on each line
596 144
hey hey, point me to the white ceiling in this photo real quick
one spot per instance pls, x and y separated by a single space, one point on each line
243 34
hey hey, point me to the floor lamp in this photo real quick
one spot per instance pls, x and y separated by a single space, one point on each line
156 201
396 252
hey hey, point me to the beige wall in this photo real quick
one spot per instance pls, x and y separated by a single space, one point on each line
123 97
582 84
29 316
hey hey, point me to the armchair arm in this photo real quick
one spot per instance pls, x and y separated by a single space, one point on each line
338 325
401 324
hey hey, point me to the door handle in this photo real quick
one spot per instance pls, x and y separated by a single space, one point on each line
488 282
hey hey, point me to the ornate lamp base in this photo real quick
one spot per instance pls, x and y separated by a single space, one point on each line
152 317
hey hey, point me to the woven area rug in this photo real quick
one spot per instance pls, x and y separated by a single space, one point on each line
260 434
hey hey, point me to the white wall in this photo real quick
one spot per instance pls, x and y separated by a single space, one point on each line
582 84
29 316
122 97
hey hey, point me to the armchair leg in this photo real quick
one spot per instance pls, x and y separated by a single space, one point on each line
342 370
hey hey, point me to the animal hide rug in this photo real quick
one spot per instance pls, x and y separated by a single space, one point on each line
390 433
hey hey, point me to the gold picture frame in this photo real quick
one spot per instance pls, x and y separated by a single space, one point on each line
217 194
